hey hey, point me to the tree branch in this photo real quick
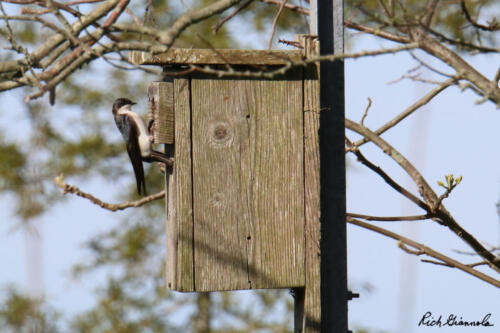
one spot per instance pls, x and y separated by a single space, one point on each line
422 249
377 32
443 217
275 22
387 178
55 40
291 7
168 37
221 22
67 188
390 218
414 107
494 26
488 89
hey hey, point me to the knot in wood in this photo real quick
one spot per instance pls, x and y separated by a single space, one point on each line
218 200
221 133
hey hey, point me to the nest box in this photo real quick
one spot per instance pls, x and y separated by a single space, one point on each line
238 195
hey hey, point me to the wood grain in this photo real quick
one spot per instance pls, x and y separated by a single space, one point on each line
215 57
219 234
180 267
312 307
308 300
161 105
248 183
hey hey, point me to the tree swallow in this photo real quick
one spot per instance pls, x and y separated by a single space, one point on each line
137 139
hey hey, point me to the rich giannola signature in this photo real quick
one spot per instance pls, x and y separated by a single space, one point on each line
453 320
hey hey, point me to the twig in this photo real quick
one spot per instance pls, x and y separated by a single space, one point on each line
415 106
304 62
497 76
403 247
67 188
430 9
74 59
275 22
427 250
222 21
463 44
462 67
291 43
134 17
494 26
423 187
376 32
431 68
479 263
291 7
168 37
390 218
79 2
55 40
366 111
384 8
386 177
442 216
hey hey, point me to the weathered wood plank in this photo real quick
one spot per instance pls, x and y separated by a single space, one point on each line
215 57
312 305
161 105
219 227
248 183
171 229
312 297
180 268
276 257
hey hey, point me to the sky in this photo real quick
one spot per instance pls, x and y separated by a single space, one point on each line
451 135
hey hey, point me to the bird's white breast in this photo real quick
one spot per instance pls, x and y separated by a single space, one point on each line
143 135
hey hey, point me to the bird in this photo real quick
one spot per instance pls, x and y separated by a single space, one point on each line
138 140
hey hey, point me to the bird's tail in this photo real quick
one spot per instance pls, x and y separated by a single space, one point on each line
161 157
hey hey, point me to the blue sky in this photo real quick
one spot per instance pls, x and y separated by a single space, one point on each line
450 135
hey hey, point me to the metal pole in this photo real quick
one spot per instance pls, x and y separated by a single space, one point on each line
313 17
332 170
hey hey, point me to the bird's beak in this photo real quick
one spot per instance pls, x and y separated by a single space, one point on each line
134 103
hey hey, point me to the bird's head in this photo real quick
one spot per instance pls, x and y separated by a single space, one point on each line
120 102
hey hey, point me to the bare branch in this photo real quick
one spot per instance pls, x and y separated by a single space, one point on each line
414 107
480 263
403 247
291 7
272 73
443 217
493 26
275 21
384 8
425 190
376 32
67 188
430 9
390 218
463 44
386 177
430 45
55 40
168 37
427 251
221 22
366 111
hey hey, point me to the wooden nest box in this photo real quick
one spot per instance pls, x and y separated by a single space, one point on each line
237 208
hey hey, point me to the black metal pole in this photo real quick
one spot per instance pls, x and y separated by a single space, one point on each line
332 170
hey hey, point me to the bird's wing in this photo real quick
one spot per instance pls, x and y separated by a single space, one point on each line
134 153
